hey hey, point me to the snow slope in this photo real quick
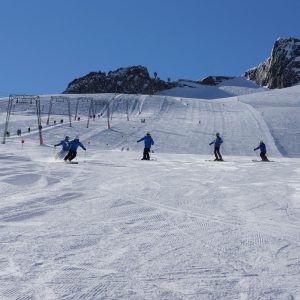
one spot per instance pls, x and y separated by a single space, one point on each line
228 88
178 125
115 227
280 109
178 227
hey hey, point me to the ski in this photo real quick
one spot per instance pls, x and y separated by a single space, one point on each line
255 160
151 159
215 160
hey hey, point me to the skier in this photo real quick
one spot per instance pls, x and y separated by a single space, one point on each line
65 147
263 151
217 144
73 145
148 142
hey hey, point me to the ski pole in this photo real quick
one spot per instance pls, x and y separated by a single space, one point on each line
256 153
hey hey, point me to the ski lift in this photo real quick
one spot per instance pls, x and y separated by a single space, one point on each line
59 99
21 99
81 100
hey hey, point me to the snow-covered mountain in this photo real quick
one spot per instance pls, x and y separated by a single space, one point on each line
282 68
222 89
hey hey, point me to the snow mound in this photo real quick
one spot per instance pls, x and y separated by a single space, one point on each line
228 88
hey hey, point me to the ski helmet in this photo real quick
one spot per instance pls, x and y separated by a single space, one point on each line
261 142
66 138
148 133
77 137
217 133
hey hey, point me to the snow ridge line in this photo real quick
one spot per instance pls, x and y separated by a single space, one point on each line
263 127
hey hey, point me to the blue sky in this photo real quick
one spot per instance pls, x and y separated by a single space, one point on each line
47 43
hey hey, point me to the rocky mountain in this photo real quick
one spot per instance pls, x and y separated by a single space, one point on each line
280 70
131 80
214 80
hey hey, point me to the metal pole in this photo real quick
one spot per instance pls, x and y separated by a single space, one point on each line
38 113
76 109
127 105
94 109
9 106
108 113
49 112
69 108
89 115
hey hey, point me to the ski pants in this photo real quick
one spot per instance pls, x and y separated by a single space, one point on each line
146 154
71 155
263 156
217 153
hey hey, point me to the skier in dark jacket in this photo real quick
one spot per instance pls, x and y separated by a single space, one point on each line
73 145
263 150
148 142
217 144
65 148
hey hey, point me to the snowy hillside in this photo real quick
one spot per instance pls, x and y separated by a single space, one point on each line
190 124
229 88
178 227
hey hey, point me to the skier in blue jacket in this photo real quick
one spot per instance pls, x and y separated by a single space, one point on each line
65 148
263 150
148 142
73 145
217 144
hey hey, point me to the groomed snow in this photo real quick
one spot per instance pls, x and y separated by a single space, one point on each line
228 88
178 227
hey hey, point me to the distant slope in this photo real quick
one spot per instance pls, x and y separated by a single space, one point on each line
177 125
228 88
281 110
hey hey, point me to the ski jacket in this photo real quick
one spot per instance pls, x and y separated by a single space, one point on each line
74 144
148 141
262 148
217 142
64 144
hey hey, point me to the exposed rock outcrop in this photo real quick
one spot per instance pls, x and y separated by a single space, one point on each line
282 69
214 80
131 80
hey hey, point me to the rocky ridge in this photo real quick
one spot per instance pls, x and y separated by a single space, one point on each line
282 68
131 80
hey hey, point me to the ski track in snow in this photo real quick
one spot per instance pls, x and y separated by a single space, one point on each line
178 227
